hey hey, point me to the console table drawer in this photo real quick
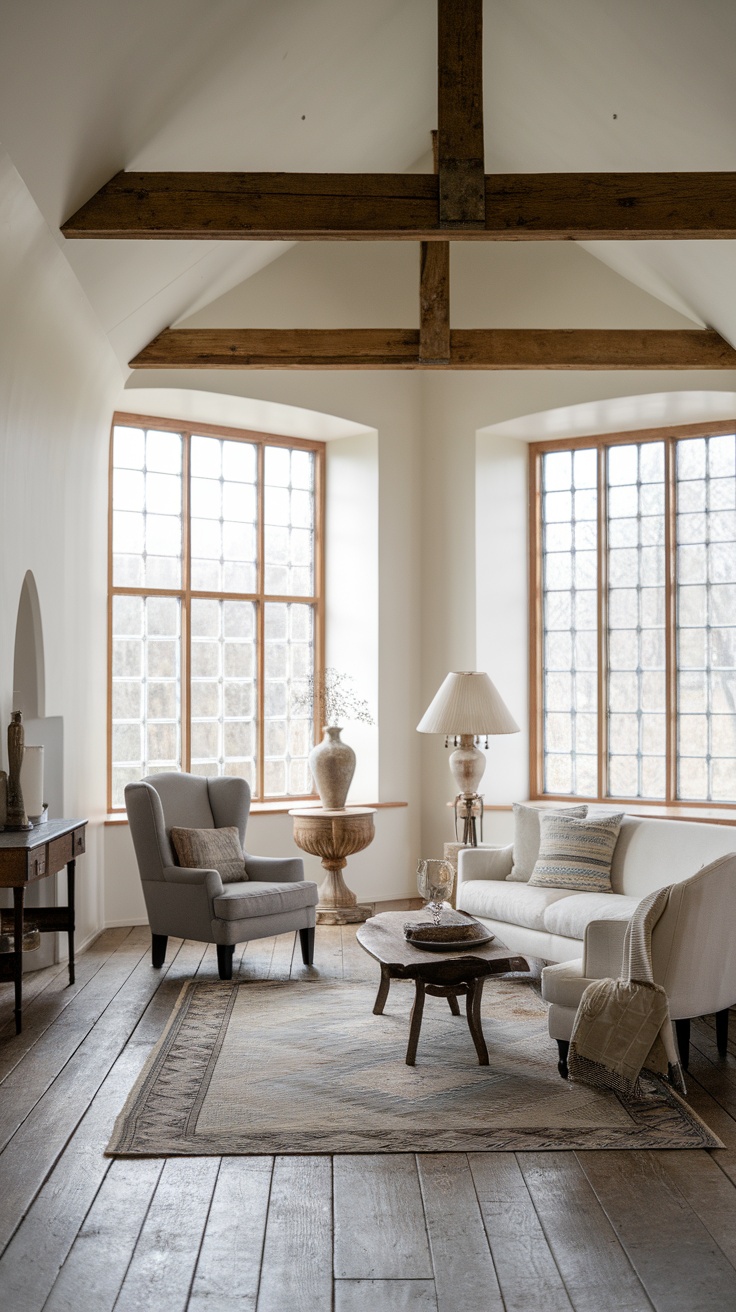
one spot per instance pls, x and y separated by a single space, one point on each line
37 864
79 842
61 850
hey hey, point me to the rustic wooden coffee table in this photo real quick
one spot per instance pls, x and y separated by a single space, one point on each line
441 974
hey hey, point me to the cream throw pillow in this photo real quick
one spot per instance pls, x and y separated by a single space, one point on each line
211 849
526 837
576 854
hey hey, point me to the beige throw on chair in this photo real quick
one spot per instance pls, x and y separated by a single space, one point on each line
623 1025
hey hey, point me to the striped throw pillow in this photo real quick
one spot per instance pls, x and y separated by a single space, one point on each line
576 854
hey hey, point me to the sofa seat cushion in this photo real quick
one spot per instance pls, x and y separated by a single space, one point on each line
571 916
564 983
517 904
256 898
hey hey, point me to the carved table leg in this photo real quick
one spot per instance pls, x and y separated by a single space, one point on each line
416 1023
454 1004
18 900
383 989
472 1011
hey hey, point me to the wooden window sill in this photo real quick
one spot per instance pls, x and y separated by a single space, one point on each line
713 815
280 807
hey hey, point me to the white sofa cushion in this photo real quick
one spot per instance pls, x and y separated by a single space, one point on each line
571 916
526 837
516 904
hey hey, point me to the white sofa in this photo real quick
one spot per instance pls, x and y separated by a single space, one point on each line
693 945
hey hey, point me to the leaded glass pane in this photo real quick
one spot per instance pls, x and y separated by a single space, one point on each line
570 639
636 637
223 504
223 684
147 508
706 618
288 658
288 512
146 689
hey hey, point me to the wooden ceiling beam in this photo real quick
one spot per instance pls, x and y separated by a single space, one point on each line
460 152
470 348
404 207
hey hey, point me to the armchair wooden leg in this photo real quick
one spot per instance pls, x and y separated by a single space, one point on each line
225 960
158 949
722 1031
563 1047
682 1030
306 938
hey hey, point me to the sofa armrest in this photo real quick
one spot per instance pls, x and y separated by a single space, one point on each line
484 863
603 948
275 869
208 879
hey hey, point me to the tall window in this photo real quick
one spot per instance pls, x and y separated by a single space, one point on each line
634 617
215 604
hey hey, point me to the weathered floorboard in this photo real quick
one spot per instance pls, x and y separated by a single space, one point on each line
596 1271
677 1260
297 1253
162 1266
385 1296
463 1268
524 1265
42 1009
229 1266
380 1231
95 1268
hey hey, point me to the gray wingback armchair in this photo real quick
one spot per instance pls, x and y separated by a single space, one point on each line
275 898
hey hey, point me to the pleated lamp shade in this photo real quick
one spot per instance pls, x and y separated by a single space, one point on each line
467 702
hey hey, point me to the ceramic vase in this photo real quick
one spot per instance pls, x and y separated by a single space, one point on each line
332 763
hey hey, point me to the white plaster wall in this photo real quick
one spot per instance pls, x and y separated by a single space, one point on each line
58 378
442 583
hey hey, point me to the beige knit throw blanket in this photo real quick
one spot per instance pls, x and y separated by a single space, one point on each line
622 1026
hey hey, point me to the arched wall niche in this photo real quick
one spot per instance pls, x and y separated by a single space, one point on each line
41 730
29 671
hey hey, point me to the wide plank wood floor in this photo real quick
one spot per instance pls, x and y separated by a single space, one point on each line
446 1232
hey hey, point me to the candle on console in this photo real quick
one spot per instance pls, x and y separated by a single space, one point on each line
31 782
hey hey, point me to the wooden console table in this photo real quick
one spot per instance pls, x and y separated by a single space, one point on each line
24 858
334 836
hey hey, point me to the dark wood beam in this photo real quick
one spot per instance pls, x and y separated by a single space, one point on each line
396 207
434 293
461 164
470 348
434 302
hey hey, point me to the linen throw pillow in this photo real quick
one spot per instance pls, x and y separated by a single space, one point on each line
526 837
576 854
211 849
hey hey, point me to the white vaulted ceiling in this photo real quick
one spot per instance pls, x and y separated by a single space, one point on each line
88 87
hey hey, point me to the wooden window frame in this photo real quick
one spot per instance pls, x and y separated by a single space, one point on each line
600 442
186 593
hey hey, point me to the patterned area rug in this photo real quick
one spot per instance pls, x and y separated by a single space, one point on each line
307 1068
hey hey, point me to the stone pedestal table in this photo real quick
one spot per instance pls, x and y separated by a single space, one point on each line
334 836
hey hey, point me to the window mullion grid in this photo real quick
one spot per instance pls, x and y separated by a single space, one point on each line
639 632
670 617
602 621
261 620
186 610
